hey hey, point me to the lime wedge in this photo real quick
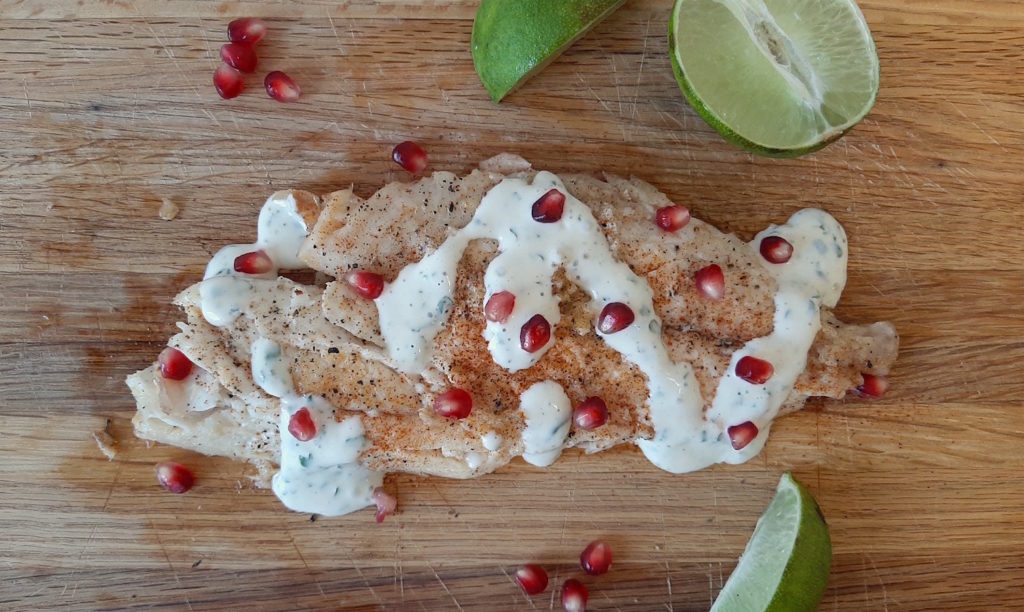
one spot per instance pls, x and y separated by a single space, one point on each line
786 563
777 77
515 39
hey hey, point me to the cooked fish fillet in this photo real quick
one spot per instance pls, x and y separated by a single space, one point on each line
333 340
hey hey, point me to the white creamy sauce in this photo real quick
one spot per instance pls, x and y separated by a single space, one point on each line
416 306
225 293
547 411
491 441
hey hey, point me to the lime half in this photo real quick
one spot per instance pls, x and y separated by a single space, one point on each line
786 563
515 39
776 77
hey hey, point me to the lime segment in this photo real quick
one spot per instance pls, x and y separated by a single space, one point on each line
786 563
515 39
777 77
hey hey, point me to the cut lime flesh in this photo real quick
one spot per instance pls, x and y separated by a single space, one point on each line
786 563
779 77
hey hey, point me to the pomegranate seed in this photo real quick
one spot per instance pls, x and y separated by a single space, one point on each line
367 284
386 503
499 306
281 87
753 370
410 156
532 579
710 282
614 317
453 404
591 414
873 386
535 334
776 249
174 365
240 56
672 218
174 477
301 425
228 82
255 262
741 435
247 30
596 558
574 596
549 207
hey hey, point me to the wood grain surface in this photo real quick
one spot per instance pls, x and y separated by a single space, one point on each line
107 108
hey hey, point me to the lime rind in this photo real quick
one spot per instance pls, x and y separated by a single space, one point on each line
776 77
786 563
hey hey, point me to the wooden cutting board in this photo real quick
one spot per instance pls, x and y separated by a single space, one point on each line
108 108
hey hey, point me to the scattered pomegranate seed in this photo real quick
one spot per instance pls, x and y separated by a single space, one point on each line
614 317
281 87
535 334
741 435
453 404
255 262
596 558
228 82
574 596
174 365
532 579
710 282
753 370
499 306
591 414
240 56
368 285
247 30
386 503
410 156
549 207
873 386
301 425
776 249
672 218
174 477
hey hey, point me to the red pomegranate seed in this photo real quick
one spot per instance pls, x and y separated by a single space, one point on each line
549 207
228 82
532 579
753 370
672 218
174 365
873 386
281 87
535 334
368 285
614 317
574 596
453 404
591 414
499 306
254 262
410 156
596 558
301 425
776 249
710 282
386 503
741 435
247 30
174 477
240 56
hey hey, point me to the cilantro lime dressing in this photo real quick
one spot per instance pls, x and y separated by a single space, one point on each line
547 411
415 306
322 475
224 293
